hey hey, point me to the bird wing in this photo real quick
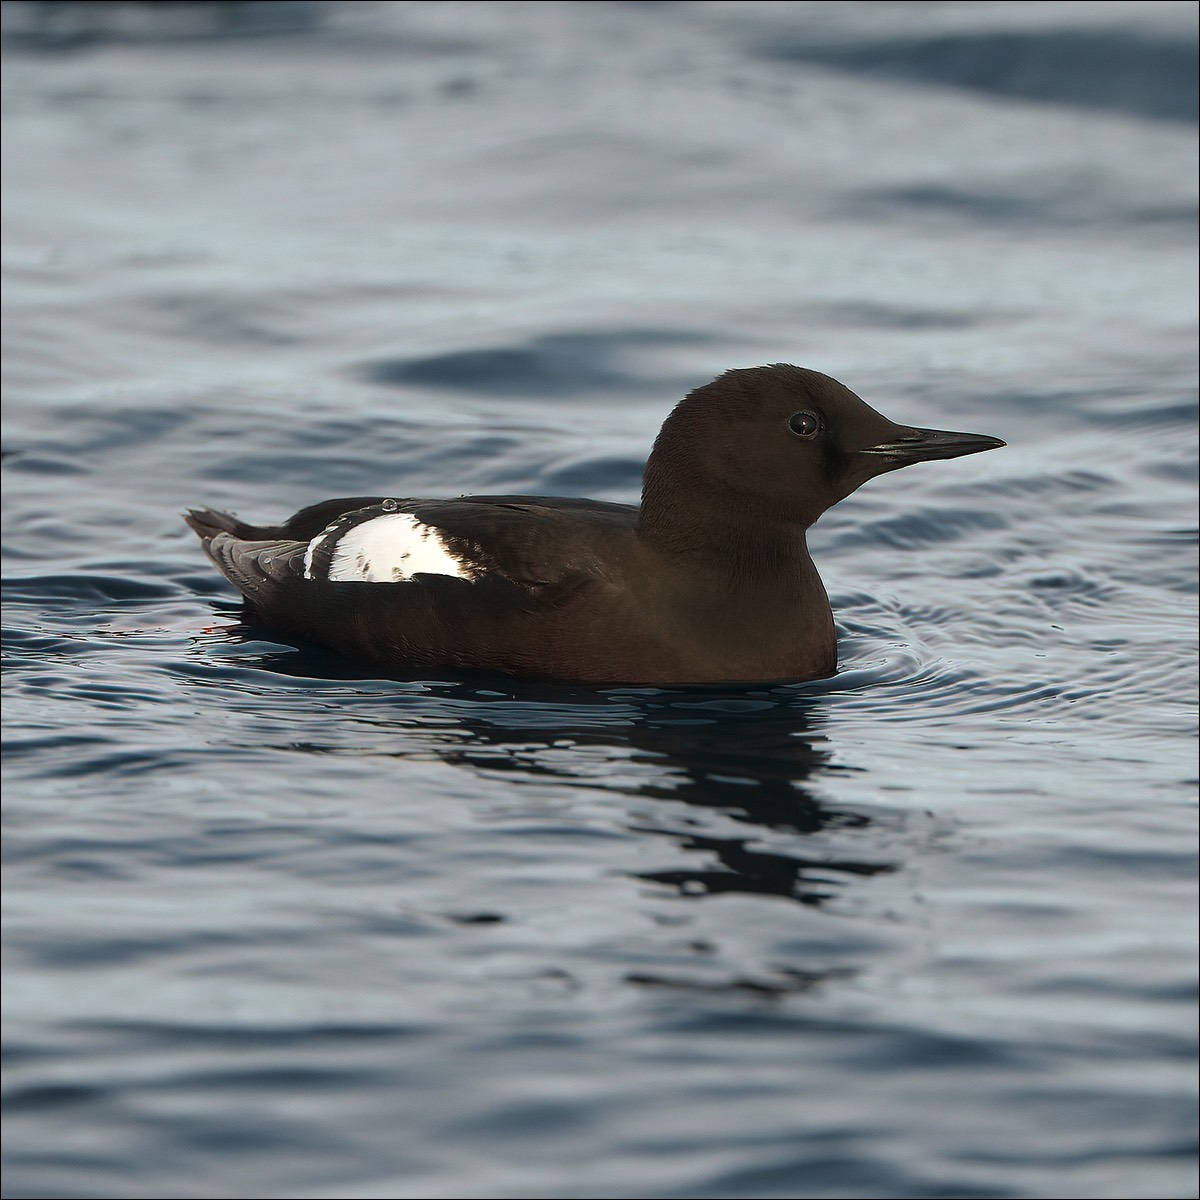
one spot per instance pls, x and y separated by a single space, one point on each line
532 544
421 582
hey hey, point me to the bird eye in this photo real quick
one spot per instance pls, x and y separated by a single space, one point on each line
804 424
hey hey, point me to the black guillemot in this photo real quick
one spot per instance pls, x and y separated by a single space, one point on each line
708 581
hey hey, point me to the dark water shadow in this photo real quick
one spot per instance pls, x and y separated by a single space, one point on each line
1069 204
554 364
1119 70
58 26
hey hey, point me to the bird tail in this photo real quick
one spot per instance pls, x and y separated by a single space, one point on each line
208 522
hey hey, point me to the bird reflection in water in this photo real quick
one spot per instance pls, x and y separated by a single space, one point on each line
707 759
746 754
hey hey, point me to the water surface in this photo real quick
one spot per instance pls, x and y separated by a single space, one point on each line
278 927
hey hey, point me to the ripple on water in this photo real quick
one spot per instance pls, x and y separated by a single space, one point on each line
37 590
917 528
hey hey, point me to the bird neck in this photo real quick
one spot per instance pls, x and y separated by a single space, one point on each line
723 540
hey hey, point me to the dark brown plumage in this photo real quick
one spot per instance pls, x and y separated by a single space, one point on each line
709 580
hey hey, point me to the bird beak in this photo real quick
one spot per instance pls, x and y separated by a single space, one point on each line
923 445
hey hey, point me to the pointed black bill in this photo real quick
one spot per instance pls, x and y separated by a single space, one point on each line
923 445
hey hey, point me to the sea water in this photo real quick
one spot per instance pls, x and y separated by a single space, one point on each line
279 927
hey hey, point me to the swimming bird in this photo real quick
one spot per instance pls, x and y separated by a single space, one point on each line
708 580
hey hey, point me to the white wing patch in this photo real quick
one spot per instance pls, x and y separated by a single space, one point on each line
388 549
312 549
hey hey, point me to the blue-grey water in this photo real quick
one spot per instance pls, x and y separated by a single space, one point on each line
278 927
